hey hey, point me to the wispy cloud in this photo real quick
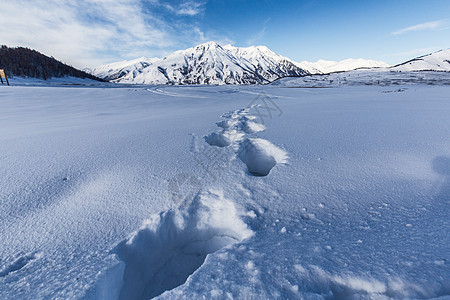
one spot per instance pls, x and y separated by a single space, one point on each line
419 27
87 33
259 35
188 8
400 57
414 52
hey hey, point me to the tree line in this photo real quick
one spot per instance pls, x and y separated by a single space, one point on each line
27 62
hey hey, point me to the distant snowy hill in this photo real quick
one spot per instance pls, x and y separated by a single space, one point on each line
121 69
327 66
437 61
207 63
430 69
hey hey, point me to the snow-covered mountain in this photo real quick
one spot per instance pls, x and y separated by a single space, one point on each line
210 63
207 63
121 69
437 61
328 66
268 63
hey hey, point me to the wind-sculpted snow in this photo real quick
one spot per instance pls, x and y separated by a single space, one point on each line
238 131
174 244
18 264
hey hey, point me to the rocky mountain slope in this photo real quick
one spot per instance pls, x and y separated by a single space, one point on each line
207 63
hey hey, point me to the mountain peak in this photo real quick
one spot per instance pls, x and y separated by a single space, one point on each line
208 45
210 63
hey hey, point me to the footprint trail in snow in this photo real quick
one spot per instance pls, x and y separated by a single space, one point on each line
174 244
237 131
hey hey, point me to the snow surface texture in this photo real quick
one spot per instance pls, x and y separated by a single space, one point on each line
207 63
360 212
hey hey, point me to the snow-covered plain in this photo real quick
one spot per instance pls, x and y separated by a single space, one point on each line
377 77
131 193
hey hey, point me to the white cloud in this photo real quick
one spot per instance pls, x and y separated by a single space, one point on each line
259 35
188 8
424 26
87 33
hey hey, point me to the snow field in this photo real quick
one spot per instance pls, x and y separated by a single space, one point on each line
360 212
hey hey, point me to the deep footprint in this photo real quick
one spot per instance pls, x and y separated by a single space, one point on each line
173 244
261 156
223 139
233 129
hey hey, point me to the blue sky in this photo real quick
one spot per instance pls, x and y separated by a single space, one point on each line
87 33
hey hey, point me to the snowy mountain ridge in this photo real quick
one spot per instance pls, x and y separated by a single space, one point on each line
121 69
327 66
208 63
437 61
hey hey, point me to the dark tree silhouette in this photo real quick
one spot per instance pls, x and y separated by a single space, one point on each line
26 62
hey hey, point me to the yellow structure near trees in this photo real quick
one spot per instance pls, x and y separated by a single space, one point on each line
3 75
